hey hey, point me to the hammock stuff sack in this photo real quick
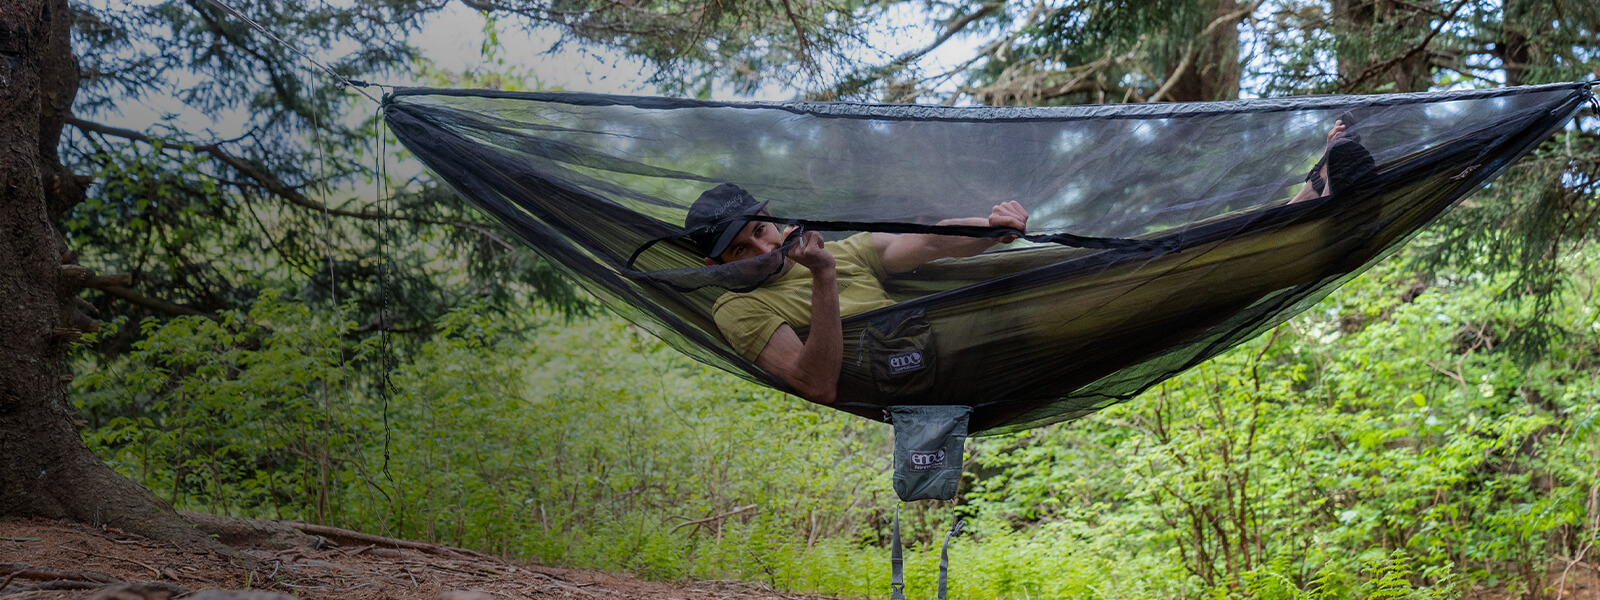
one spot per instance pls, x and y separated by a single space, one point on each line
1160 234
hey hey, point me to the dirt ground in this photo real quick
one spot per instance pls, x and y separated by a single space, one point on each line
42 560
57 560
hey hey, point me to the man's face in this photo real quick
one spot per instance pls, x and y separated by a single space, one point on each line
754 239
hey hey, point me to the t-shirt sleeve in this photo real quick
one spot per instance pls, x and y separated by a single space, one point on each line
747 324
858 249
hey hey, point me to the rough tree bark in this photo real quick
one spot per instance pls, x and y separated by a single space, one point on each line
45 468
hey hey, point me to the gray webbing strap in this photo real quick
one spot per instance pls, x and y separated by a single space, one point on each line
897 581
944 554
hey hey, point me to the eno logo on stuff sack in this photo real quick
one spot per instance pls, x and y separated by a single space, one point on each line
922 460
906 362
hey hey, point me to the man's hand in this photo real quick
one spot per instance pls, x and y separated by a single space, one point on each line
1009 214
904 252
812 366
810 254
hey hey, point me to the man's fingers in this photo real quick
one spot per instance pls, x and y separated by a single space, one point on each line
1009 214
810 242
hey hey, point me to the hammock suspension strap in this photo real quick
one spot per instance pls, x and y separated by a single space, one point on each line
897 582
897 576
944 553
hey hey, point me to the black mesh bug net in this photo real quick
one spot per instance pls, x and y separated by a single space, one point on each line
1163 232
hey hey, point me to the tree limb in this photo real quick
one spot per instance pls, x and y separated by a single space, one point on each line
949 31
1374 70
155 304
806 59
335 533
713 518
278 188
152 569
1172 80
45 574
993 48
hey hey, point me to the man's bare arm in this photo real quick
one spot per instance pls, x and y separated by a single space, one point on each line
812 366
904 252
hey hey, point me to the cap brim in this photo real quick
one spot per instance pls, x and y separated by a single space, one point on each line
733 231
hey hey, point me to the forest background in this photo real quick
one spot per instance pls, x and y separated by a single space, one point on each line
293 324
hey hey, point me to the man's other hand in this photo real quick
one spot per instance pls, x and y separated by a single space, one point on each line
1009 214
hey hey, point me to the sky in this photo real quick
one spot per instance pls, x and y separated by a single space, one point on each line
453 39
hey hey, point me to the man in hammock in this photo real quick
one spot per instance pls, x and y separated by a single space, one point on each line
817 283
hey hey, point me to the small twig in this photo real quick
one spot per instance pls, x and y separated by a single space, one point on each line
323 587
557 582
1562 591
43 574
336 533
712 518
152 569
361 550
61 584
1446 372
454 570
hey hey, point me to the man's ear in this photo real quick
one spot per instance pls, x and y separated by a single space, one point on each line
710 261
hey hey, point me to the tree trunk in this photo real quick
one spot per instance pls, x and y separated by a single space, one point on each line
1212 71
45 468
1514 48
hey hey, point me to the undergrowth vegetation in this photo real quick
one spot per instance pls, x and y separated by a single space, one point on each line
1386 444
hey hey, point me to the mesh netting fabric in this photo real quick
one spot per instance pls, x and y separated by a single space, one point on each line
1176 238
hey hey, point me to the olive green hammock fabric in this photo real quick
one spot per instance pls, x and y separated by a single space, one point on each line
1162 232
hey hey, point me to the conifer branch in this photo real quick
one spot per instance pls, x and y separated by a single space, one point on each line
277 187
950 31
1376 69
155 304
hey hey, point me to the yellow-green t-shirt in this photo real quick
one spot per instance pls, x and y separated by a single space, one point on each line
748 320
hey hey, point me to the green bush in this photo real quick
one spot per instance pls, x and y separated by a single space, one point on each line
1385 445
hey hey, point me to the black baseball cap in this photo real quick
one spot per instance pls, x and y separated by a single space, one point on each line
716 217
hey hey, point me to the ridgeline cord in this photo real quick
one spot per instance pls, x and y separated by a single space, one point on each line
385 320
333 273
380 174
343 81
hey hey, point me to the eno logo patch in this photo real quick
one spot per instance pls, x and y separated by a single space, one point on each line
906 362
922 460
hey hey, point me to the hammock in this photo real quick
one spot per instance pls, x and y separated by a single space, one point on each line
1165 232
